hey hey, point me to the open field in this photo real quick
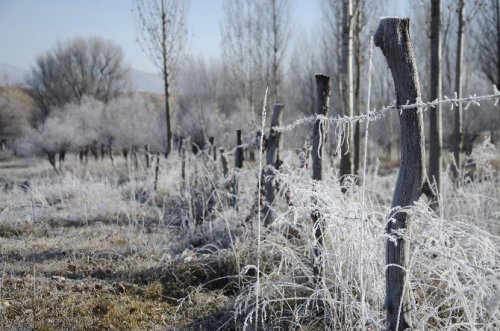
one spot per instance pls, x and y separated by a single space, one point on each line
93 247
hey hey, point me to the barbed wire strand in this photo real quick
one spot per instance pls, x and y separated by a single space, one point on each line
377 114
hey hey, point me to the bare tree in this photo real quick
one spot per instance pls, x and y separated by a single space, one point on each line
465 15
347 87
347 29
489 43
255 35
278 35
435 134
163 32
15 115
76 68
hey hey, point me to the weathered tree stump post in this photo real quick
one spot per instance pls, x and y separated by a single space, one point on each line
319 138
238 164
272 159
393 38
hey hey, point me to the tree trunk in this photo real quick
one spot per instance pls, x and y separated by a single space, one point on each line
62 158
458 129
165 71
357 91
497 17
319 139
393 38
272 161
110 151
435 92
52 160
103 151
347 90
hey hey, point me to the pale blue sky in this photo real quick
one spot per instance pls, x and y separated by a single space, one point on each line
30 27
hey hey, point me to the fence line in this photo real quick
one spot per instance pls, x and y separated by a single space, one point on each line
377 114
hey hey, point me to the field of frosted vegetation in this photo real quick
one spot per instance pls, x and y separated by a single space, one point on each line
93 246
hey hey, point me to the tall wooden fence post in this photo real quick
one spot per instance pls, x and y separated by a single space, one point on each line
238 164
393 38
323 93
272 158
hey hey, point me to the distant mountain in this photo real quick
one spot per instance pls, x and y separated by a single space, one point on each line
141 81
12 75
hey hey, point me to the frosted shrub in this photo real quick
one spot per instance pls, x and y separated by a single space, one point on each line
133 121
454 272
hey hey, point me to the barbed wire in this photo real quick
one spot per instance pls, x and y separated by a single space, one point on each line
377 114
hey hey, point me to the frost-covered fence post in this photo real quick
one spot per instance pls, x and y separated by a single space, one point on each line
157 170
323 92
224 164
146 155
393 38
211 140
238 164
183 159
272 160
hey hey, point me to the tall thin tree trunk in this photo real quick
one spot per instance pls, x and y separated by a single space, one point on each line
435 92
458 128
347 89
166 77
357 88
393 38
497 16
275 89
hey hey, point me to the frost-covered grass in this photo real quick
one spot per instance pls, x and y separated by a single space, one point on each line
94 247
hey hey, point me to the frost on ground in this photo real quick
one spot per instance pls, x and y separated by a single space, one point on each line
95 248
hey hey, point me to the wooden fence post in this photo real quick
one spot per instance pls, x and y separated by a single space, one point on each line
238 164
183 144
211 140
223 160
157 170
323 93
146 155
393 38
272 159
